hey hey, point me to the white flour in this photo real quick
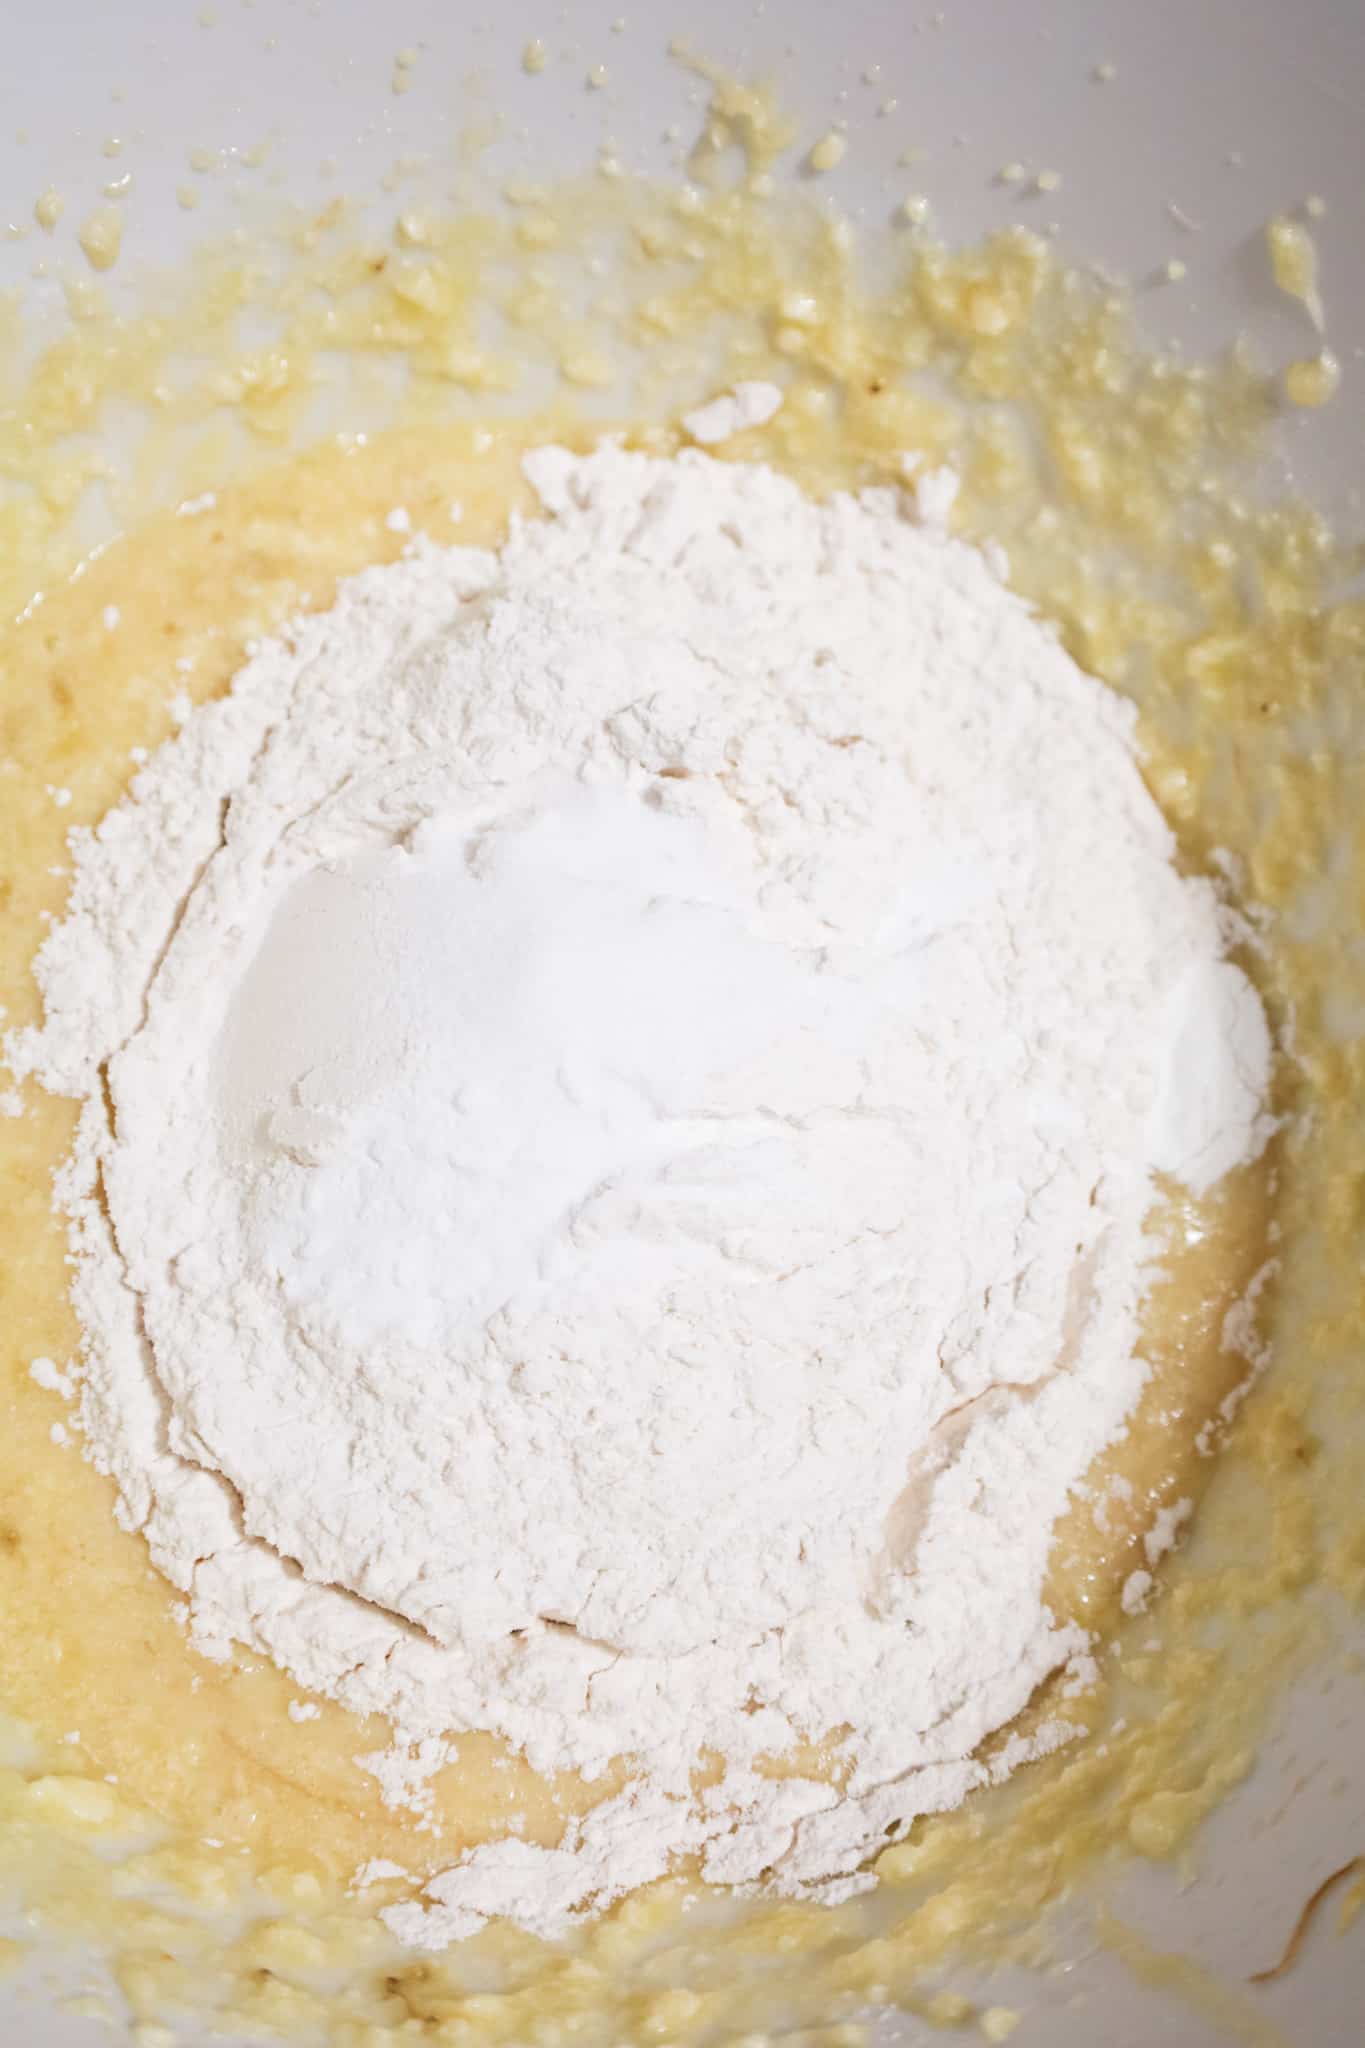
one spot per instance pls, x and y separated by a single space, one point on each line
637 1066
750 404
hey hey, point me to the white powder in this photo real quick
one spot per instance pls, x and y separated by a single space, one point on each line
378 1871
752 403
45 1374
637 1066
1137 1590
1164 1533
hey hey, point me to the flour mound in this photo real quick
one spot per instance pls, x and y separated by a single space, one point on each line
625 1078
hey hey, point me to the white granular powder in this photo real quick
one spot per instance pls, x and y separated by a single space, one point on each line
622 1084
750 404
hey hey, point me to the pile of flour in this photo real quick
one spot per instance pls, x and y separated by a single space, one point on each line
622 1081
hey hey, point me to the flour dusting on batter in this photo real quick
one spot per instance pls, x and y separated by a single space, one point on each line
623 1080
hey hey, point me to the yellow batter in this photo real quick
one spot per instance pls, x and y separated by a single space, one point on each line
1074 451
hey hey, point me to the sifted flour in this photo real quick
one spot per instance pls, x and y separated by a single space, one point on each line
622 1083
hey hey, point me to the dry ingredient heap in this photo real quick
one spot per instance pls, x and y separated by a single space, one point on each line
635 1069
